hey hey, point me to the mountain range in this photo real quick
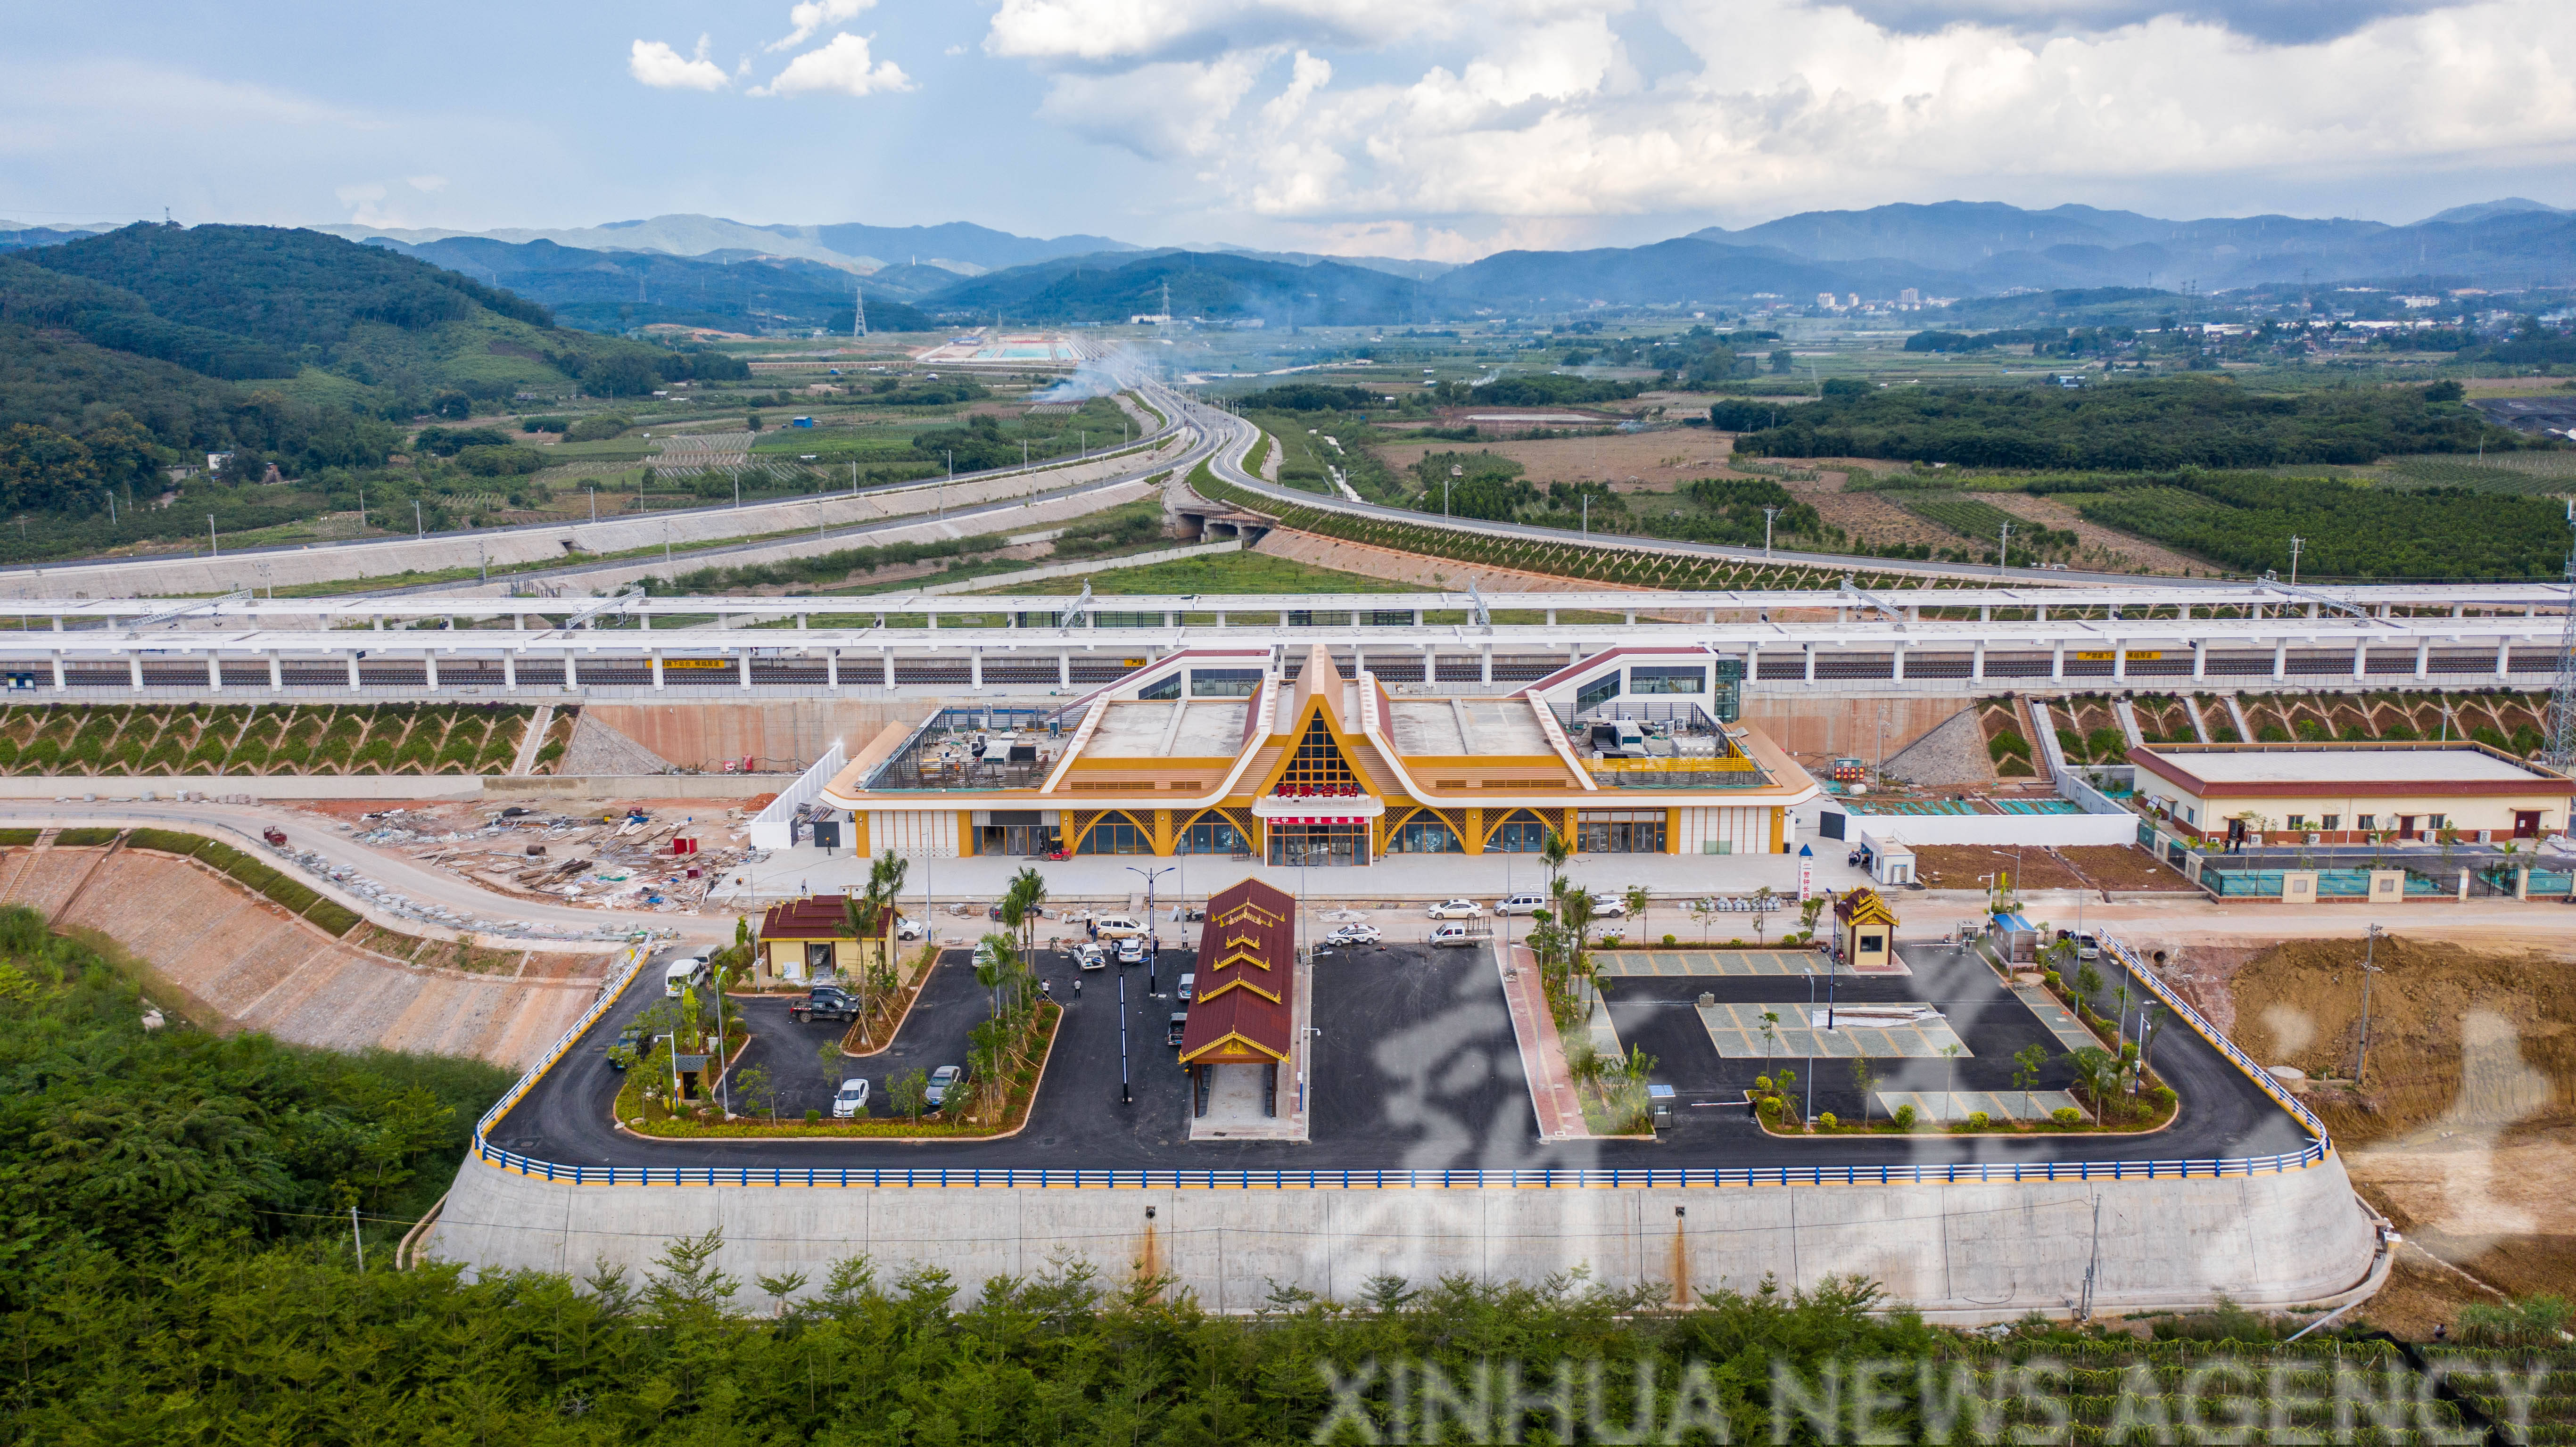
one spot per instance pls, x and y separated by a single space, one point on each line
710 271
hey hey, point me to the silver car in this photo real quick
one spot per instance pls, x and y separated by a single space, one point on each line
942 1080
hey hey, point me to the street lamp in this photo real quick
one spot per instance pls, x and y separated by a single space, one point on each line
2370 946
1153 936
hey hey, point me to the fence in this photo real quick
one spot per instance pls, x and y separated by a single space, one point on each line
774 827
2314 1152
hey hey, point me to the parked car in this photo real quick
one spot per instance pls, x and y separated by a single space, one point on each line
943 1080
638 1038
1351 935
1523 904
853 1099
1189 978
906 928
1090 956
1117 926
1131 950
1455 935
689 972
1609 906
1456 909
1180 1022
824 1002
2087 948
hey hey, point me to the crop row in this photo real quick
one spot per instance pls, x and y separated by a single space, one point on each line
290 739
1628 567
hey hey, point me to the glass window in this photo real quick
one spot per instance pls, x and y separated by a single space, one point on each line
2297 821
1599 691
1162 688
2331 821
2437 821
1425 835
1213 836
2367 821
1619 831
1521 833
1318 766
1391 618
1224 682
1667 680
1116 836
1319 845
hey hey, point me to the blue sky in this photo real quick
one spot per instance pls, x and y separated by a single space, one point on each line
1422 128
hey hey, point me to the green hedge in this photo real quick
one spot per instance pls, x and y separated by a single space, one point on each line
168 841
18 837
333 918
86 838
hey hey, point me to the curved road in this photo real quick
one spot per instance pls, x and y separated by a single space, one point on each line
1228 466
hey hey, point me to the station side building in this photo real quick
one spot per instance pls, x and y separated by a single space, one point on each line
1276 756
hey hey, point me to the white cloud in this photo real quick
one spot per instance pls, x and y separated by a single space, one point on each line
427 183
843 66
656 64
809 16
1534 109
1162 111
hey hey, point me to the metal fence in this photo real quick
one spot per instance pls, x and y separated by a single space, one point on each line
632 959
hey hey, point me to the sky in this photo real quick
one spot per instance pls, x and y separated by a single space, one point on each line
1420 128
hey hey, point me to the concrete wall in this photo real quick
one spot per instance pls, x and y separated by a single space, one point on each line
2056 831
1964 1253
1823 728
781 729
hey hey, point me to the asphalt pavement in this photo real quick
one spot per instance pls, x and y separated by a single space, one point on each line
1414 1066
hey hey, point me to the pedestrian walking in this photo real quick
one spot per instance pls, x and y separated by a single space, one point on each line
1077 987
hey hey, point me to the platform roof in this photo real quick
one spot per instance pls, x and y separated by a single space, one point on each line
2302 769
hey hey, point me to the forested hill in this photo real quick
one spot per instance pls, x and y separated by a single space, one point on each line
131 350
2128 426
1208 284
615 291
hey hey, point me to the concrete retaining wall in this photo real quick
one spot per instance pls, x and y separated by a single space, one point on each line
1963 1253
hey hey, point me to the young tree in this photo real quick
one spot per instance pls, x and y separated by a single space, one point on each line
1864 1079
1637 897
2099 1069
2088 983
1950 1057
2029 1061
1770 1037
908 1093
757 1091
1704 910
1553 852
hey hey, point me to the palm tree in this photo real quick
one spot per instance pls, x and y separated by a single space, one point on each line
1553 851
1021 906
1578 905
1950 1057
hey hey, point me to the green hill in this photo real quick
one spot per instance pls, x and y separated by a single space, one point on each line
130 352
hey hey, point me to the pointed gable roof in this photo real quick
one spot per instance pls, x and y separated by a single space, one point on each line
1863 906
1243 1002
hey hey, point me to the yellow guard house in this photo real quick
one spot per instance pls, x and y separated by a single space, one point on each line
811 939
1273 755
1868 929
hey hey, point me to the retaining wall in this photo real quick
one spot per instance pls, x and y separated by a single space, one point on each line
1962 1253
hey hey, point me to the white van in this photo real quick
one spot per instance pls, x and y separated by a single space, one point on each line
1118 926
688 972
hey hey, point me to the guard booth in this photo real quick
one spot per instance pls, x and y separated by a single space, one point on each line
2016 938
1867 929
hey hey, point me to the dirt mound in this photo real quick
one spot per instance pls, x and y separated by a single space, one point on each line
2454 1034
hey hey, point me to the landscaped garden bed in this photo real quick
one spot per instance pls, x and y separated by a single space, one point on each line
143 740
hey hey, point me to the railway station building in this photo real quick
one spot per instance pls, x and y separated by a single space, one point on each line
1275 755
2353 793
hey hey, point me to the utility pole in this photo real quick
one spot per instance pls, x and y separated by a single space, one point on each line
2370 944
1768 514
356 1241
2296 542
418 527
2003 550
1587 514
2560 749
213 548
859 323
1454 474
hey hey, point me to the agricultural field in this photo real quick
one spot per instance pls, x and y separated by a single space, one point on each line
2244 522
151 739
1983 523
2538 473
1617 566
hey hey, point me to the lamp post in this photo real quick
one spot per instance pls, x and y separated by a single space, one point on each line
1126 1096
2369 947
1153 936
1768 514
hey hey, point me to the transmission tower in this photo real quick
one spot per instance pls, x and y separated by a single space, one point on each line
1167 298
859 300
2562 695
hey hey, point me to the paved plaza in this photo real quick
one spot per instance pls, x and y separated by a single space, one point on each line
1675 964
1736 1031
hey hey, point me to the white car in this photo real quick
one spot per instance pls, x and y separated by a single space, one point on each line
1523 904
906 929
1090 957
1352 934
1131 950
1456 909
853 1099
1117 926
1609 906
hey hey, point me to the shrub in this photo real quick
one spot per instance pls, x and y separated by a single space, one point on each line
1762 1082
1826 1119
2048 978
1979 1120
2067 1115
1671 940
1769 1108
1905 1117
84 838
335 919
813 1117
2163 1095
18 838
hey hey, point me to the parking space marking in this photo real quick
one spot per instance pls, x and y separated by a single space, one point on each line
2061 1022
1683 964
1943 1107
1736 1031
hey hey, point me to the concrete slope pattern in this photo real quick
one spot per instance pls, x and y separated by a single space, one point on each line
1962 1253
260 968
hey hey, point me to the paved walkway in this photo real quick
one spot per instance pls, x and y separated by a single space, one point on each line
1941 1107
1552 1089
